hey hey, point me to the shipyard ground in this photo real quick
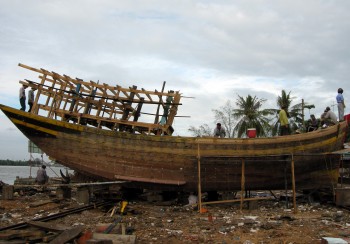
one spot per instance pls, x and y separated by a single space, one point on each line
264 221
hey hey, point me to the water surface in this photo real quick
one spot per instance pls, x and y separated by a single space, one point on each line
8 174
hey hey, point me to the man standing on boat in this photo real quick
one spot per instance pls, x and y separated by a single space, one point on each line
31 98
41 176
341 104
22 97
219 131
284 124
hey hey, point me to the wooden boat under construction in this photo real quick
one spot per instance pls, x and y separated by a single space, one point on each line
95 129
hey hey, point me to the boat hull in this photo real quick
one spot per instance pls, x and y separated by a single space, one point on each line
175 163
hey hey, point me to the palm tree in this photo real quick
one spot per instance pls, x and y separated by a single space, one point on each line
250 116
296 117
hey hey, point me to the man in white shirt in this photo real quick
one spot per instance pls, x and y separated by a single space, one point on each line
219 131
31 98
329 117
22 97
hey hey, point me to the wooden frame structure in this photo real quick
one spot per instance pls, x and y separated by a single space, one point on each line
242 198
102 105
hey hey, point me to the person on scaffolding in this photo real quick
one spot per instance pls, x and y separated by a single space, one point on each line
22 97
169 100
41 176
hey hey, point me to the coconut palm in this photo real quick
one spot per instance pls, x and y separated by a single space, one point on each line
250 115
295 112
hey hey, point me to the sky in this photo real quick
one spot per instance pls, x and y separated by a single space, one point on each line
212 51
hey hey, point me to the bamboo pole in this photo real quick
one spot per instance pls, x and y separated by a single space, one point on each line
199 181
293 185
242 184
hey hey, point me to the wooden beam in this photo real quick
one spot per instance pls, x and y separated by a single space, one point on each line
242 184
68 235
293 185
199 179
48 226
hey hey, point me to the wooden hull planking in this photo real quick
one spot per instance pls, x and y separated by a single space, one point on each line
171 163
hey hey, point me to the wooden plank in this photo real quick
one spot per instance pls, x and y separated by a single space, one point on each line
48 226
11 234
40 203
115 238
149 97
68 235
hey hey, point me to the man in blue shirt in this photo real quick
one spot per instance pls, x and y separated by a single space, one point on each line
341 104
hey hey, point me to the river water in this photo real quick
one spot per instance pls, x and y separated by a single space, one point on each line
8 174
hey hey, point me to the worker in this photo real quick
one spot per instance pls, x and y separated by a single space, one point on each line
284 123
31 98
219 131
22 97
341 104
41 176
313 123
328 117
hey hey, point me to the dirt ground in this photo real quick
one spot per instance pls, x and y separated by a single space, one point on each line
263 221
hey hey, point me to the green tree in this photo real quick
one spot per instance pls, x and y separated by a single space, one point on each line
250 115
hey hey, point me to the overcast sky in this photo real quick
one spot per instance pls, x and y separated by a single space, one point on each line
210 50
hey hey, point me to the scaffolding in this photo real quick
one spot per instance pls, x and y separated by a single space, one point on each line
289 158
100 105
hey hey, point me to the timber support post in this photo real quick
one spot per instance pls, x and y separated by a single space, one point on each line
7 192
293 186
199 180
242 184
83 195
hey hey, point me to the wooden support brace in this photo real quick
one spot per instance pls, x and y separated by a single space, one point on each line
293 185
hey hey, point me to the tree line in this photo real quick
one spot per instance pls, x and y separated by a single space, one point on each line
7 162
14 162
249 114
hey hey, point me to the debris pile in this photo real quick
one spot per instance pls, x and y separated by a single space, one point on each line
142 221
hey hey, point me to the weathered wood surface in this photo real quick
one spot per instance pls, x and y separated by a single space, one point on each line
11 234
48 226
67 235
115 238
7 192
171 162
40 203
